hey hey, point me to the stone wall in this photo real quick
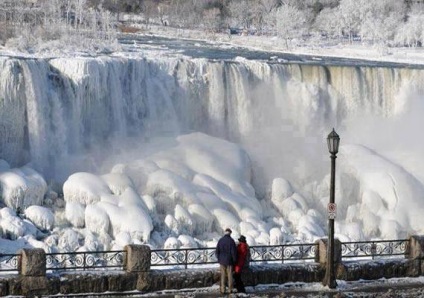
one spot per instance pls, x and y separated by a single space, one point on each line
136 276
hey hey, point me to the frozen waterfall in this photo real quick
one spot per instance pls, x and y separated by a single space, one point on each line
65 115
54 110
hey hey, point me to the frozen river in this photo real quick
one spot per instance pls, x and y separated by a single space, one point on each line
224 51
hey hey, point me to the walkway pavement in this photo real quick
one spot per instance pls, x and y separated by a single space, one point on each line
385 288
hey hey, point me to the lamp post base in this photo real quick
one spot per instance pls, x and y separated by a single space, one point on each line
330 282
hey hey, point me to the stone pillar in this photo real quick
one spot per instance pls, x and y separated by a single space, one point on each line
32 262
321 254
416 247
137 258
415 253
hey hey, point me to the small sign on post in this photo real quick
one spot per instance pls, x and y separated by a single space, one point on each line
332 210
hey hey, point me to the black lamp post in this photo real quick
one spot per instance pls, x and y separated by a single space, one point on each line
333 141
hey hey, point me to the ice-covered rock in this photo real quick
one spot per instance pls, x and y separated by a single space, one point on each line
69 240
42 217
281 189
84 188
202 217
185 221
388 194
117 183
75 214
276 236
22 187
96 219
11 226
187 241
171 225
172 243
123 238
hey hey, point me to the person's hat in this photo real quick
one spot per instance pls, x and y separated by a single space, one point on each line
228 230
242 239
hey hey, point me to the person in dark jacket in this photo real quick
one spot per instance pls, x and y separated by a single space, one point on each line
226 252
242 252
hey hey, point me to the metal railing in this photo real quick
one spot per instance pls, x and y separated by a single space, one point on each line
283 253
185 257
182 257
85 260
375 249
9 262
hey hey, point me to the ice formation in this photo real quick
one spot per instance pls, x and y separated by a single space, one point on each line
169 152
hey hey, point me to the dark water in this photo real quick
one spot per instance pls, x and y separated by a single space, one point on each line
210 50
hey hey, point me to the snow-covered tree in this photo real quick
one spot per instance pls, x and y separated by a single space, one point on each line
327 23
211 19
264 10
241 13
380 19
291 22
149 9
411 33
349 17
186 13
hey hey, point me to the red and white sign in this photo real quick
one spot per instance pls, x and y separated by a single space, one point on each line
332 210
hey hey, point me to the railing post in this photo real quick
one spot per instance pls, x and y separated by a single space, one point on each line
282 254
186 258
321 253
137 258
373 250
415 252
32 262
84 261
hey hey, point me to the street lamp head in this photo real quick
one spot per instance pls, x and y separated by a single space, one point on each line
333 141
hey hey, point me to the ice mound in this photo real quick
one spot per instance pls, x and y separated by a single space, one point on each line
12 227
84 188
42 217
185 195
389 200
21 187
199 185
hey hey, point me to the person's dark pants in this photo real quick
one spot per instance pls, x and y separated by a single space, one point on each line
239 283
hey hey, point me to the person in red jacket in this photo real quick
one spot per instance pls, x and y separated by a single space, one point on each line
242 252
